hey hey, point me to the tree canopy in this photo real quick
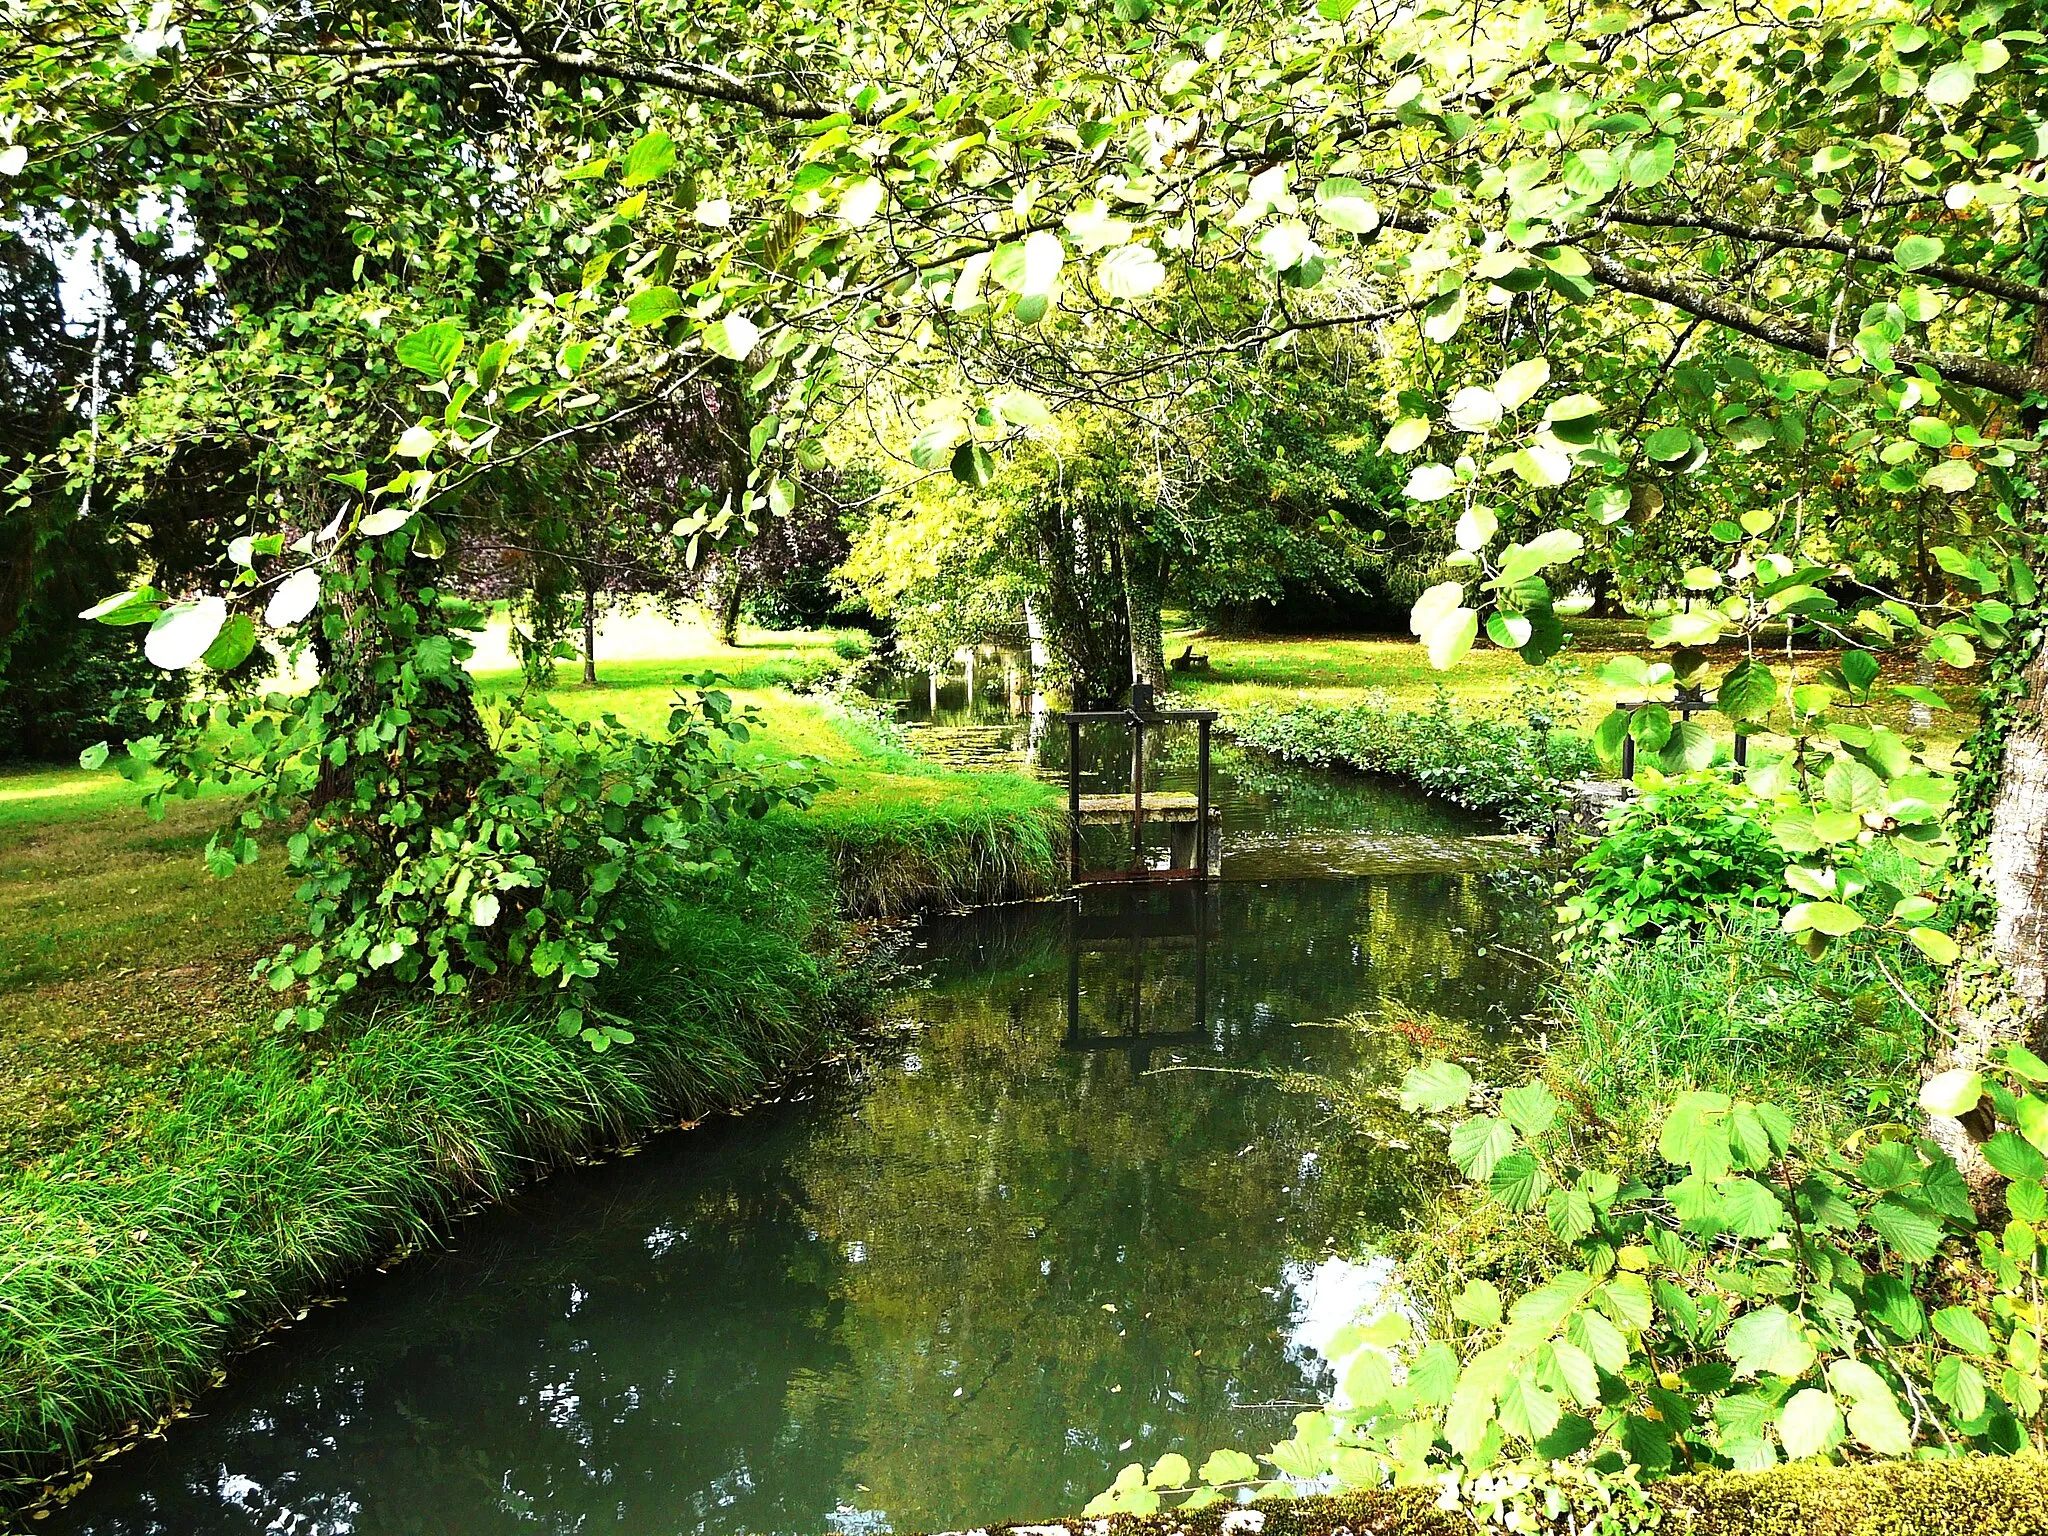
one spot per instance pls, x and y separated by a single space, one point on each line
1738 300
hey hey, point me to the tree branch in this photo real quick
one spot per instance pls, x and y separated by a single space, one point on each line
701 81
2010 380
1800 240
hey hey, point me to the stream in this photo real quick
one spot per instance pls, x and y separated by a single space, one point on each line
1064 1219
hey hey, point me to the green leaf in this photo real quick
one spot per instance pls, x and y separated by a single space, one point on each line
1917 251
1598 1337
2013 1157
140 606
1368 1379
1748 692
1170 1471
1610 734
651 306
1516 1181
1229 1467
1569 1214
1478 1304
1667 443
1912 1236
1951 1093
1451 637
432 349
973 466
1750 1209
653 155
1935 945
1964 1329
1768 1340
1478 1144
1526 1410
1530 1109
1961 1385
1436 1086
1809 1424
231 647
1433 1374
1689 748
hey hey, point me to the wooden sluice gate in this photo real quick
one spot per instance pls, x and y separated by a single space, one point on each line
1194 824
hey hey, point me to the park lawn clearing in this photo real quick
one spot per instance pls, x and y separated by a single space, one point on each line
1352 669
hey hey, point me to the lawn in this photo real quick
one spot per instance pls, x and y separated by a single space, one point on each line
124 964
1347 669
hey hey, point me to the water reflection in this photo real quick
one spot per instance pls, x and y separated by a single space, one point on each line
1062 1231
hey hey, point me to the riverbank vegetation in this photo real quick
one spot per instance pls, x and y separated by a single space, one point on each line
178 1176
1694 361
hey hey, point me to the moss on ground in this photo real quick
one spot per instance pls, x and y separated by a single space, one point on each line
1974 1496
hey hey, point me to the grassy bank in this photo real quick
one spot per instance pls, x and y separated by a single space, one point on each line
1508 768
174 1178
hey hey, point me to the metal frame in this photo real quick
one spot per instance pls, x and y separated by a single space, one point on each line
1689 702
1135 718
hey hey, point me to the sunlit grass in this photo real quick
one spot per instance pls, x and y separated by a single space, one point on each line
1346 669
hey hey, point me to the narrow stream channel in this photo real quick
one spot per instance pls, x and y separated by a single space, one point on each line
1040 1238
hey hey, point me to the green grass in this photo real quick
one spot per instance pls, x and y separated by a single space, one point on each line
1347 669
1741 1012
174 1177
132 1265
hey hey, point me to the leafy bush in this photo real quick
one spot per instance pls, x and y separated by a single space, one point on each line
1760 1298
526 875
1514 770
1685 854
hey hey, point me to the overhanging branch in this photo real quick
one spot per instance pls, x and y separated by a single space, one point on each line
1860 250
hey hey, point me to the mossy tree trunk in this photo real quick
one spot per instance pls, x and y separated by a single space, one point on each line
589 632
1998 992
1144 591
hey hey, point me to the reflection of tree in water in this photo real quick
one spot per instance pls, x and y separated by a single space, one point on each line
646 1360
893 1303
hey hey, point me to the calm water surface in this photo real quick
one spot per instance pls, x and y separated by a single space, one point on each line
1021 1249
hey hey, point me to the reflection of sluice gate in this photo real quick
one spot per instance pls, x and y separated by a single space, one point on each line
1135 923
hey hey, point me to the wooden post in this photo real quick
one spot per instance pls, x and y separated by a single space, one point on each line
1073 800
1137 791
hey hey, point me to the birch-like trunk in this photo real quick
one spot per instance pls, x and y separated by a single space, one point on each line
1998 992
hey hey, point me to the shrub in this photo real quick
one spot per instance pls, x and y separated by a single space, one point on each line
1686 853
1513 770
1741 1009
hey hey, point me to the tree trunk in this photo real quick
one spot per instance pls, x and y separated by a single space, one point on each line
730 591
1998 992
1144 590
589 635
1034 633
1606 598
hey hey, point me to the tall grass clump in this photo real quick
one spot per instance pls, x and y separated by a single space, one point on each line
129 1267
1740 1009
903 835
